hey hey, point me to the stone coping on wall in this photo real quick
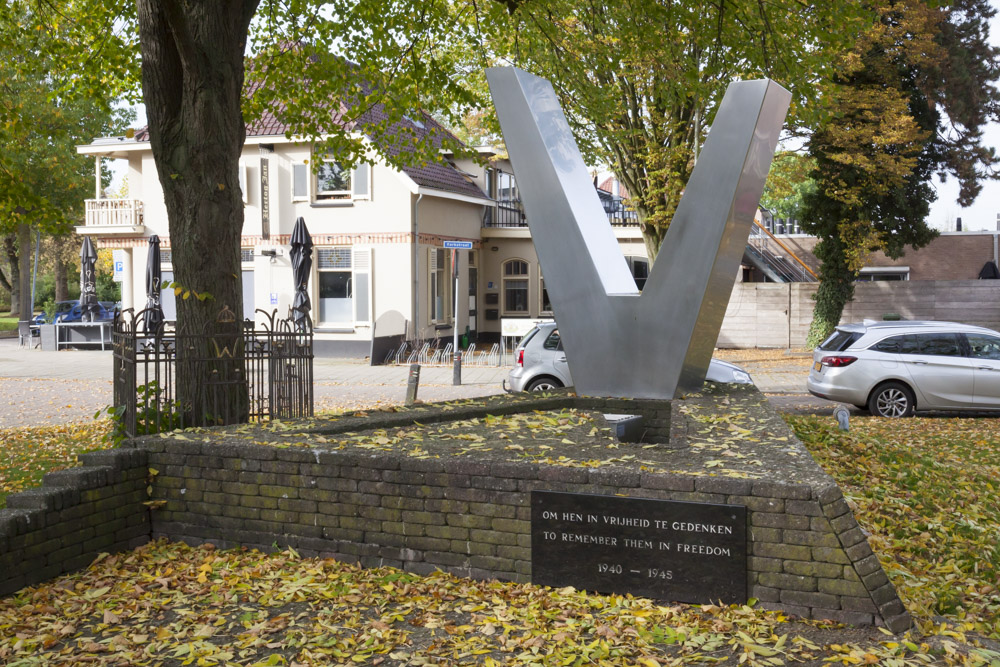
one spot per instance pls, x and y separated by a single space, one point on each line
447 486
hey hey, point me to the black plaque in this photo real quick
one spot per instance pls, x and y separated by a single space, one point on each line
661 549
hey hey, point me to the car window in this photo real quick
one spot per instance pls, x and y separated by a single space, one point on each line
553 341
908 344
528 336
890 344
984 347
839 341
939 344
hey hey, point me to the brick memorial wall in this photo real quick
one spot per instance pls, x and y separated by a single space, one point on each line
468 515
75 515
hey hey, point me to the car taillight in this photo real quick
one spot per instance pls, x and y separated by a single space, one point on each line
838 361
520 357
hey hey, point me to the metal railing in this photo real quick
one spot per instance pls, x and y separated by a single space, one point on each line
429 354
228 373
510 215
113 213
775 258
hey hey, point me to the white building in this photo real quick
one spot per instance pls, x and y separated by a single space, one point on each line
379 264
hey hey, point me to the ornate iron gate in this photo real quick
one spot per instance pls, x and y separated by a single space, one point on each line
272 365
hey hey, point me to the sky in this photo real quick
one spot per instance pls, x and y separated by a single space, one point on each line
983 214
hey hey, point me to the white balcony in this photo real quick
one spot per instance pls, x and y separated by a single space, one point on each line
112 217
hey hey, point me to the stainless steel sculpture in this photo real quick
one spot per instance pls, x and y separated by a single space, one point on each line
618 342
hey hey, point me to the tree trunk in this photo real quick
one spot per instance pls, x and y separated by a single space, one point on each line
836 289
24 271
10 284
10 246
192 76
61 281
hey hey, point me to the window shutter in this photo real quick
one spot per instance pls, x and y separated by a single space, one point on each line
362 259
361 181
300 181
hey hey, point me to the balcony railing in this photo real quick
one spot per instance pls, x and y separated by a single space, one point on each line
105 213
508 214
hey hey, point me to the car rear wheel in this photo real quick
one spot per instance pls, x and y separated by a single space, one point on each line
892 399
543 384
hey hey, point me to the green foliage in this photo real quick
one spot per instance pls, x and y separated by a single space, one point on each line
788 183
49 310
107 288
43 181
908 101
640 82
153 414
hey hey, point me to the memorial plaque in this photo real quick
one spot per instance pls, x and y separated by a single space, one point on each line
662 549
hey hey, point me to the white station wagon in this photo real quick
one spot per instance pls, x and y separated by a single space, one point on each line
894 368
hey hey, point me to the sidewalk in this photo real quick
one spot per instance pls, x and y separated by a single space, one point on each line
39 387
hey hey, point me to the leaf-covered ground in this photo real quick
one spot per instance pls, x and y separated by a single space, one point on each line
27 453
926 489
168 604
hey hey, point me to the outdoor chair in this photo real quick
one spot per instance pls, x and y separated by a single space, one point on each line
25 334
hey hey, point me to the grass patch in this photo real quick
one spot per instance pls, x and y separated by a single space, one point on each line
926 490
26 454
8 323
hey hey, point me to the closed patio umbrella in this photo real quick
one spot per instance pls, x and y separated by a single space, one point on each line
153 315
301 256
89 308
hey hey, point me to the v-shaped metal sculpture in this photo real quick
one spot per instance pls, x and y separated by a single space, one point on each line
618 342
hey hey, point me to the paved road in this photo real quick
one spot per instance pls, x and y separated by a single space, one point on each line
39 387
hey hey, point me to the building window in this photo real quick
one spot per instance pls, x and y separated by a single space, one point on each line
546 305
344 277
515 287
331 182
439 266
639 266
883 273
336 290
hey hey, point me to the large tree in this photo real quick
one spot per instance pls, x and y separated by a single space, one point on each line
640 81
199 100
908 101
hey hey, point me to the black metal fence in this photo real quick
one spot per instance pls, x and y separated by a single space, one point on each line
228 373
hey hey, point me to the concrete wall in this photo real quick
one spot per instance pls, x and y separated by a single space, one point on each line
778 314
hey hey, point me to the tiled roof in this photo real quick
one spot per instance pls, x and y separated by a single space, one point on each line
440 175
608 185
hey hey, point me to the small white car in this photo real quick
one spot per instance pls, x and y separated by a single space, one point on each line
895 368
540 363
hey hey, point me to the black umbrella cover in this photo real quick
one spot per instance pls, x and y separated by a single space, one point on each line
301 256
153 315
989 271
88 281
